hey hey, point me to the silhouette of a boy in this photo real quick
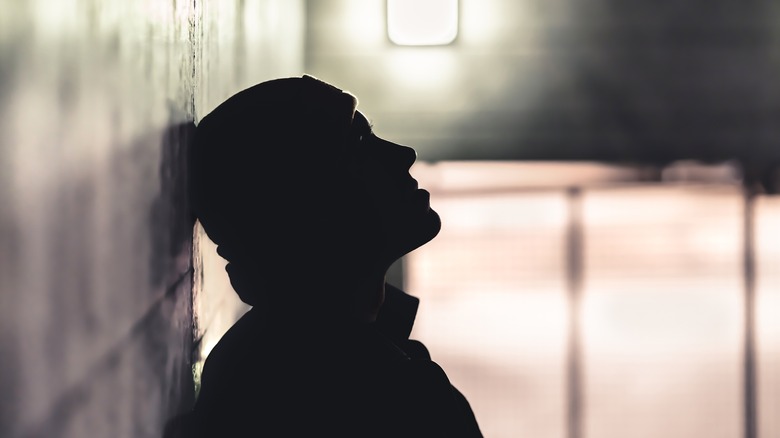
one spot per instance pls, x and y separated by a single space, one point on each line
310 209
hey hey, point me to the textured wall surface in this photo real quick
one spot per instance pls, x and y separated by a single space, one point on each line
97 100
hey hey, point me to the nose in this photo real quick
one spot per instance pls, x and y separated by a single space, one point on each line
398 155
409 155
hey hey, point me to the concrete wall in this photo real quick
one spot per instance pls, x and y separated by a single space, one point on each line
618 80
97 100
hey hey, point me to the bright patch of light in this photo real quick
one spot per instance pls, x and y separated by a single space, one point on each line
422 22
767 241
427 72
654 323
216 307
54 18
360 24
508 322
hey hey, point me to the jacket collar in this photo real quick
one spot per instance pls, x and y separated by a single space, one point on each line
397 314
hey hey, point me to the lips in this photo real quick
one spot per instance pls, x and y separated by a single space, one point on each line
405 190
423 197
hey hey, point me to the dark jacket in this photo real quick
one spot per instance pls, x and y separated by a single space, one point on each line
354 380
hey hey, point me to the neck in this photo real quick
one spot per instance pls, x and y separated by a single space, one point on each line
328 296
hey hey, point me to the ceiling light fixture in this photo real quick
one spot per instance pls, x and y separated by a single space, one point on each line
422 22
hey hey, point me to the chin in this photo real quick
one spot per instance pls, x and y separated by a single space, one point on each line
434 225
421 232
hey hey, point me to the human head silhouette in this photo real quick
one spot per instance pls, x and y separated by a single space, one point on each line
294 188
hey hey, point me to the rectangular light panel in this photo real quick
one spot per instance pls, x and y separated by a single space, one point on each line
422 22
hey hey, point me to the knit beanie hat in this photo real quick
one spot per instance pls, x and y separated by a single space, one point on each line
263 148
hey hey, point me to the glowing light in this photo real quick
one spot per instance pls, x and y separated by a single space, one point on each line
428 71
422 22
360 24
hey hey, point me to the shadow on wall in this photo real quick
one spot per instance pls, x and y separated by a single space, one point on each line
106 347
170 219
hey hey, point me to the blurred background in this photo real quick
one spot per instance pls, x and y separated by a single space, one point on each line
606 172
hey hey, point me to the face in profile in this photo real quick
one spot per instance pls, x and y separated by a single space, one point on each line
289 176
399 208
